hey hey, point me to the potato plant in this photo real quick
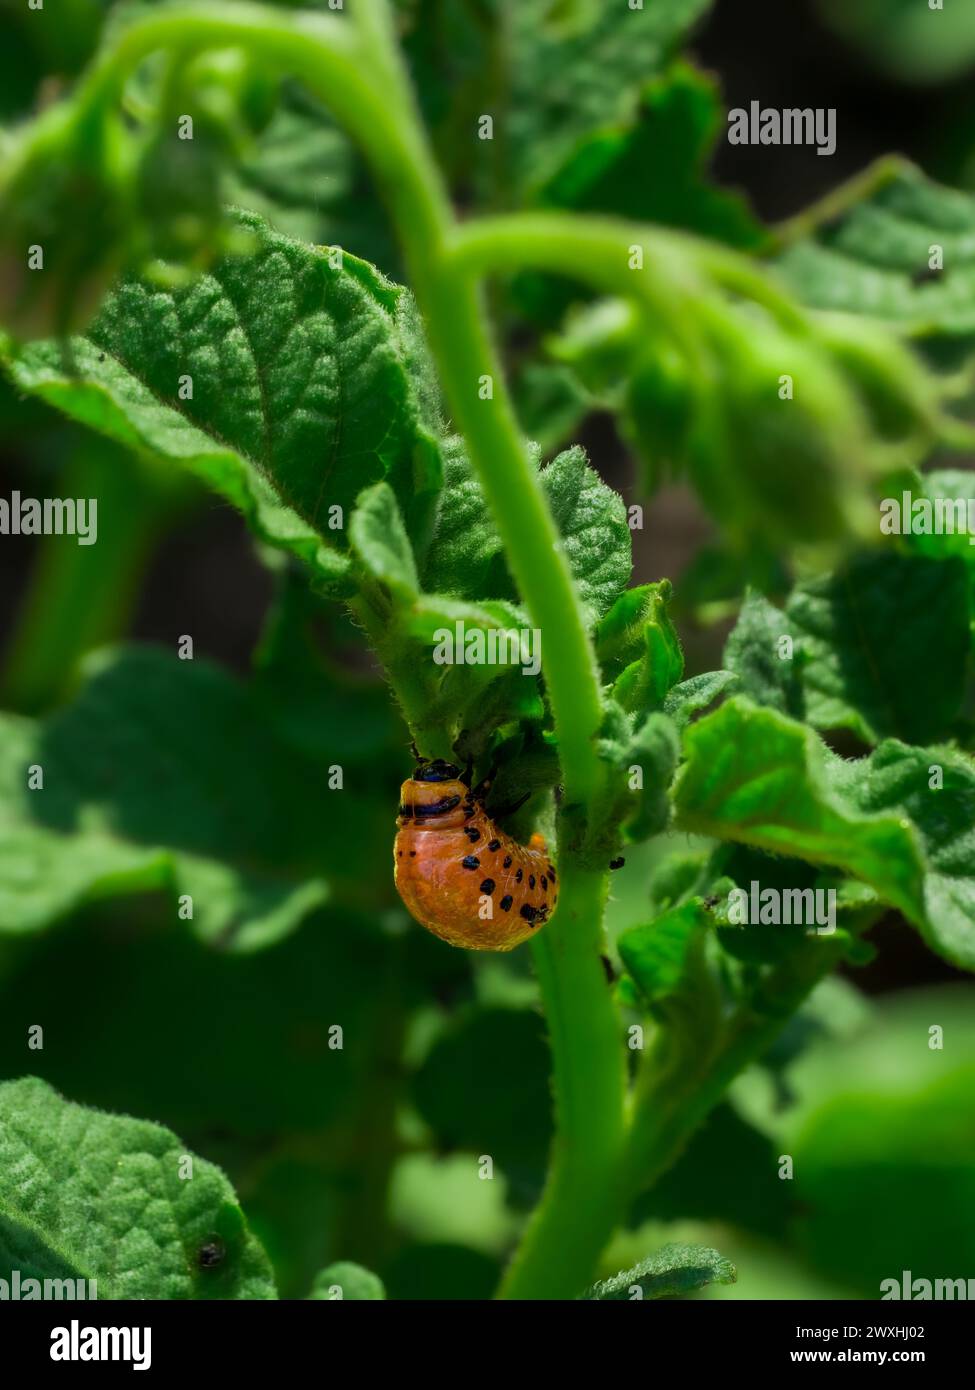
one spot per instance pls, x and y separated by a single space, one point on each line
364 272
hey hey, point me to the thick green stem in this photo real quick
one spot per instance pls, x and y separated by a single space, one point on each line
469 366
578 1209
583 1197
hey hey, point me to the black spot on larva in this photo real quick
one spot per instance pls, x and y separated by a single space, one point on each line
495 845
468 814
436 808
551 873
471 861
400 854
617 863
412 853
472 833
506 902
528 912
544 883
507 861
519 875
212 1252
488 886
531 880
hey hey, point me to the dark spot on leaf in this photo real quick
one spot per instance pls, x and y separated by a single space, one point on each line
617 863
608 968
211 1253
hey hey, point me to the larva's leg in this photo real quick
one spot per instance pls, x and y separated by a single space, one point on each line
509 810
484 786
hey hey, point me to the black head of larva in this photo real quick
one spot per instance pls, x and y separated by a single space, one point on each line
437 771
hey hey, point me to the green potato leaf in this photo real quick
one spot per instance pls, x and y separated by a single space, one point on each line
873 256
107 1198
689 698
567 83
465 557
285 380
754 777
672 1271
885 646
764 664
651 166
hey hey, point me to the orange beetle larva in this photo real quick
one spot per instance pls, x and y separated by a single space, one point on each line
459 875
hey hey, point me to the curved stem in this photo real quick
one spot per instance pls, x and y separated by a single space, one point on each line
357 71
598 252
595 250
468 365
